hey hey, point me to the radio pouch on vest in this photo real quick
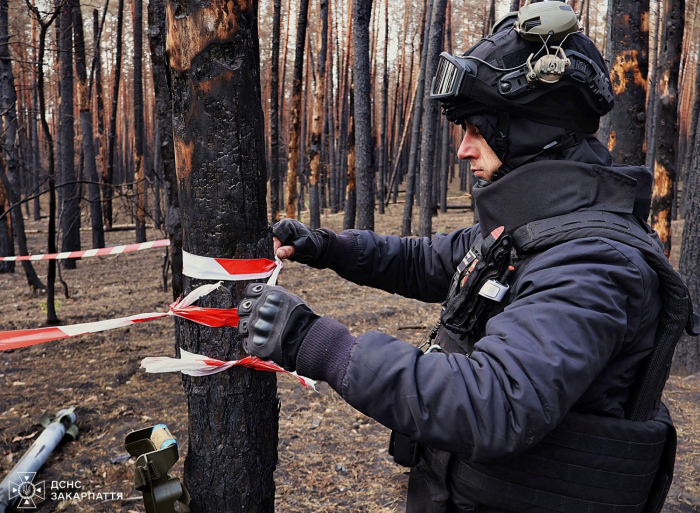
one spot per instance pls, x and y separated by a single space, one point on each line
156 452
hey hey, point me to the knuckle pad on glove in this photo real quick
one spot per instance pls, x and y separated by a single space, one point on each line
262 329
254 290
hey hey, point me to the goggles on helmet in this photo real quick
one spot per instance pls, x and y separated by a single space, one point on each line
449 77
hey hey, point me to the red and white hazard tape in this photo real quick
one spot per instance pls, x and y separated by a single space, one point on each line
228 269
213 317
198 365
114 250
189 363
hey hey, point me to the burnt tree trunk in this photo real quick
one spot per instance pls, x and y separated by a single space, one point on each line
108 176
100 142
10 177
51 317
671 38
36 147
69 202
383 135
295 111
415 128
7 247
351 199
430 114
686 359
317 123
489 16
88 143
362 79
445 164
274 113
627 48
166 150
139 167
220 159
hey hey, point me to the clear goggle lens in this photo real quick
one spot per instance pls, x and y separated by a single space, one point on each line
446 78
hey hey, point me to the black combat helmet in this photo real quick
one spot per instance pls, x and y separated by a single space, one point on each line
535 87
546 72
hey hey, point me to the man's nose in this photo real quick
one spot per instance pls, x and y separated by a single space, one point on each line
468 150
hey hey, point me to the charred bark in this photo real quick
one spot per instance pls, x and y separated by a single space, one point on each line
430 113
10 175
274 112
108 176
318 122
139 165
627 48
295 113
100 142
44 25
220 159
383 135
671 38
686 359
166 149
351 193
415 129
69 196
445 164
362 79
88 143
7 247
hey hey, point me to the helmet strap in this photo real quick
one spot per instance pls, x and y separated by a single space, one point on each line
502 134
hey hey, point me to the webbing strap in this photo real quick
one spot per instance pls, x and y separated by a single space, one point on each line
582 475
605 446
538 498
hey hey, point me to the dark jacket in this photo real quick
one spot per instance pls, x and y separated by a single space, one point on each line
579 319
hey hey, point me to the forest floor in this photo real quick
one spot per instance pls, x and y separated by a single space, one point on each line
331 458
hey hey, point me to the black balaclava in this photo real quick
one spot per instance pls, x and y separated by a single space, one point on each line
527 138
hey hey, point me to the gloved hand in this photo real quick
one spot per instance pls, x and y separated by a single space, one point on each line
274 323
309 245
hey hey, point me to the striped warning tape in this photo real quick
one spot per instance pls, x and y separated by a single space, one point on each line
198 365
188 363
227 269
213 317
114 250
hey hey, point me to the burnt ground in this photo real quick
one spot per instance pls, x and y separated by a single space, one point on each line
331 458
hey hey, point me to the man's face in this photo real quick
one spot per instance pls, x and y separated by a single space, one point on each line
476 150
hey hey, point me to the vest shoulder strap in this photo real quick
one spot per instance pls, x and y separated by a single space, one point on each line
677 309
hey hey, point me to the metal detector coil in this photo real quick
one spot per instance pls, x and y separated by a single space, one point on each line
156 452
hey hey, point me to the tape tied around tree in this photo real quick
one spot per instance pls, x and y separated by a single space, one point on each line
198 365
228 269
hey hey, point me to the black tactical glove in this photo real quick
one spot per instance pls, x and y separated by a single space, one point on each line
309 245
274 323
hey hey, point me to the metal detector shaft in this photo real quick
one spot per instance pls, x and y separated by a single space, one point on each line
35 457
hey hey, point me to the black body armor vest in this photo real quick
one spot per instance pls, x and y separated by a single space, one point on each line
587 463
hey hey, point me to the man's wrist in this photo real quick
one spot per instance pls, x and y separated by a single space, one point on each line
341 252
325 353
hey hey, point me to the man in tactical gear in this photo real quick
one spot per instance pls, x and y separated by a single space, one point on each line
541 391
